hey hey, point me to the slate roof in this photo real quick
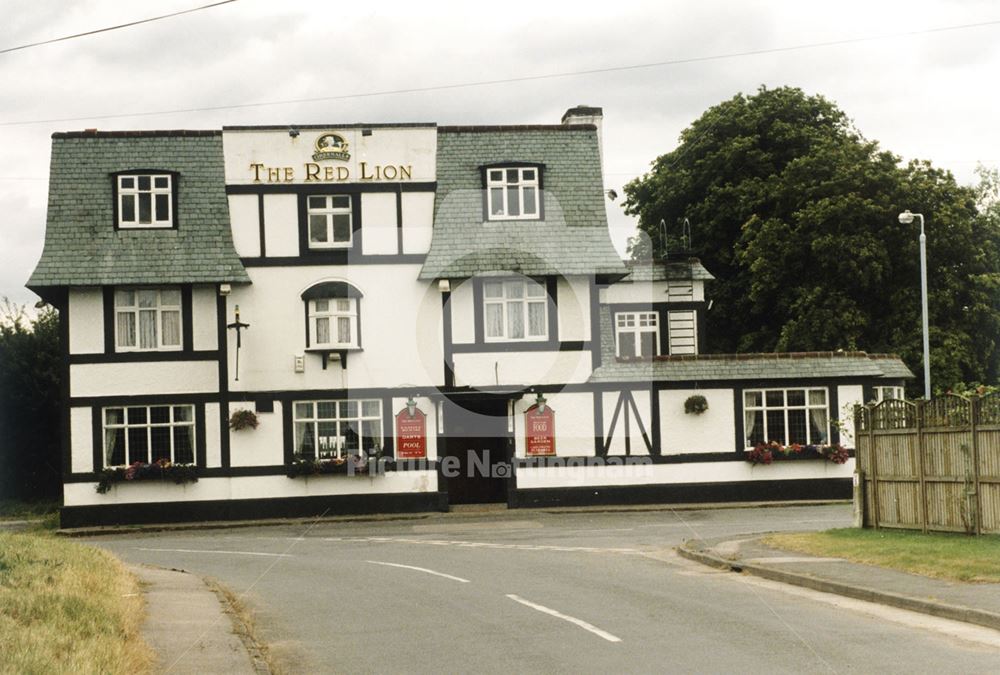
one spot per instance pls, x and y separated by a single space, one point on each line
82 246
767 366
669 271
572 239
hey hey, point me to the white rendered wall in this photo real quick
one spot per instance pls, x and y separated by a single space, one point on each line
400 328
130 379
712 431
244 215
86 325
848 396
418 221
82 440
203 316
573 295
671 474
263 446
650 291
213 439
281 225
378 224
463 320
520 368
251 487
574 421
609 401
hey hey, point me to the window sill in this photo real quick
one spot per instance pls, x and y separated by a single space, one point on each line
340 353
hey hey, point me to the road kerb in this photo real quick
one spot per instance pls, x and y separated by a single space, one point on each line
939 609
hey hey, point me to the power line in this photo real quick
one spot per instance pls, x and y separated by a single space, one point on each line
512 80
110 28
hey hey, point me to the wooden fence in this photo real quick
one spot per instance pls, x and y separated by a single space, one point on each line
931 465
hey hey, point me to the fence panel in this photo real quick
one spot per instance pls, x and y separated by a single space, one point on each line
932 465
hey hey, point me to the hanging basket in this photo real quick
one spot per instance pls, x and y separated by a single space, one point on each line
695 405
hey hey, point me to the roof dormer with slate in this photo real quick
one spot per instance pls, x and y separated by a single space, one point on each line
137 208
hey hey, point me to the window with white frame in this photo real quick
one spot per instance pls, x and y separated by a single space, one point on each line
145 200
512 193
337 429
333 322
889 394
147 319
330 221
637 334
515 309
786 415
147 433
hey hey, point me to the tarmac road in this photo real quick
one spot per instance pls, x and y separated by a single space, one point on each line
529 591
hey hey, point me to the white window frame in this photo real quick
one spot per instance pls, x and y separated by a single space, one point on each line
634 330
161 198
510 301
174 421
764 407
334 447
329 211
897 393
332 312
160 312
504 181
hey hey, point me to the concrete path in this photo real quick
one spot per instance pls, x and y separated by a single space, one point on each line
958 601
188 627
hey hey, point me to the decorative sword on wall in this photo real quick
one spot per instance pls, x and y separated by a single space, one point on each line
239 326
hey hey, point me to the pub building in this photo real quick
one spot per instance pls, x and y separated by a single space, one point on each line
354 318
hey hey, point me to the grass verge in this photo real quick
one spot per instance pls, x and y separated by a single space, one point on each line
956 557
13 509
67 608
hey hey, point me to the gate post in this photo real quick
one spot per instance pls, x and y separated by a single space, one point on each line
873 463
973 428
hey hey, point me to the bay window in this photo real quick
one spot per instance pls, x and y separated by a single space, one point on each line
786 415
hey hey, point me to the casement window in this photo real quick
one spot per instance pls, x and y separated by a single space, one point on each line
335 429
515 310
513 193
889 394
330 221
147 319
145 200
333 322
637 334
147 433
786 416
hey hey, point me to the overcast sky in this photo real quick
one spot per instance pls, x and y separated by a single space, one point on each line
930 95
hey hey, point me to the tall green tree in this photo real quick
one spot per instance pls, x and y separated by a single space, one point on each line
796 214
29 404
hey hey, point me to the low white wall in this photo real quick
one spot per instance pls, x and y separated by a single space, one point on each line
263 446
668 474
250 487
712 431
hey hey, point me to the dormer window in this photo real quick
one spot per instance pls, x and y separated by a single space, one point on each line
332 309
513 193
145 200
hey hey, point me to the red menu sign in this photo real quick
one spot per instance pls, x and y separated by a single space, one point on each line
540 431
411 434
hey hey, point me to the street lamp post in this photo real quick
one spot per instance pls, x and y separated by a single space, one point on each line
906 218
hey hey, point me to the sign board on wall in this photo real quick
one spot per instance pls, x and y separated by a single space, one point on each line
539 431
411 434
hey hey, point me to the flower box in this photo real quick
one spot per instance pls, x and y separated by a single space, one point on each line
353 465
161 470
767 453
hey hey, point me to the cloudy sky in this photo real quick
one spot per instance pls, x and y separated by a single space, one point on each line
922 93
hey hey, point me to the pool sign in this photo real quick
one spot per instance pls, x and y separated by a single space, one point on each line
411 433
540 431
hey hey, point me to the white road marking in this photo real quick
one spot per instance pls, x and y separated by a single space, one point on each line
195 550
483 544
420 569
565 617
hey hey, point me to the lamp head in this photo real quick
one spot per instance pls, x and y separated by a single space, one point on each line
905 218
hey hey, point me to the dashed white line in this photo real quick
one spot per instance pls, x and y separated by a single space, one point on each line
196 550
565 617
419 569
483 544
